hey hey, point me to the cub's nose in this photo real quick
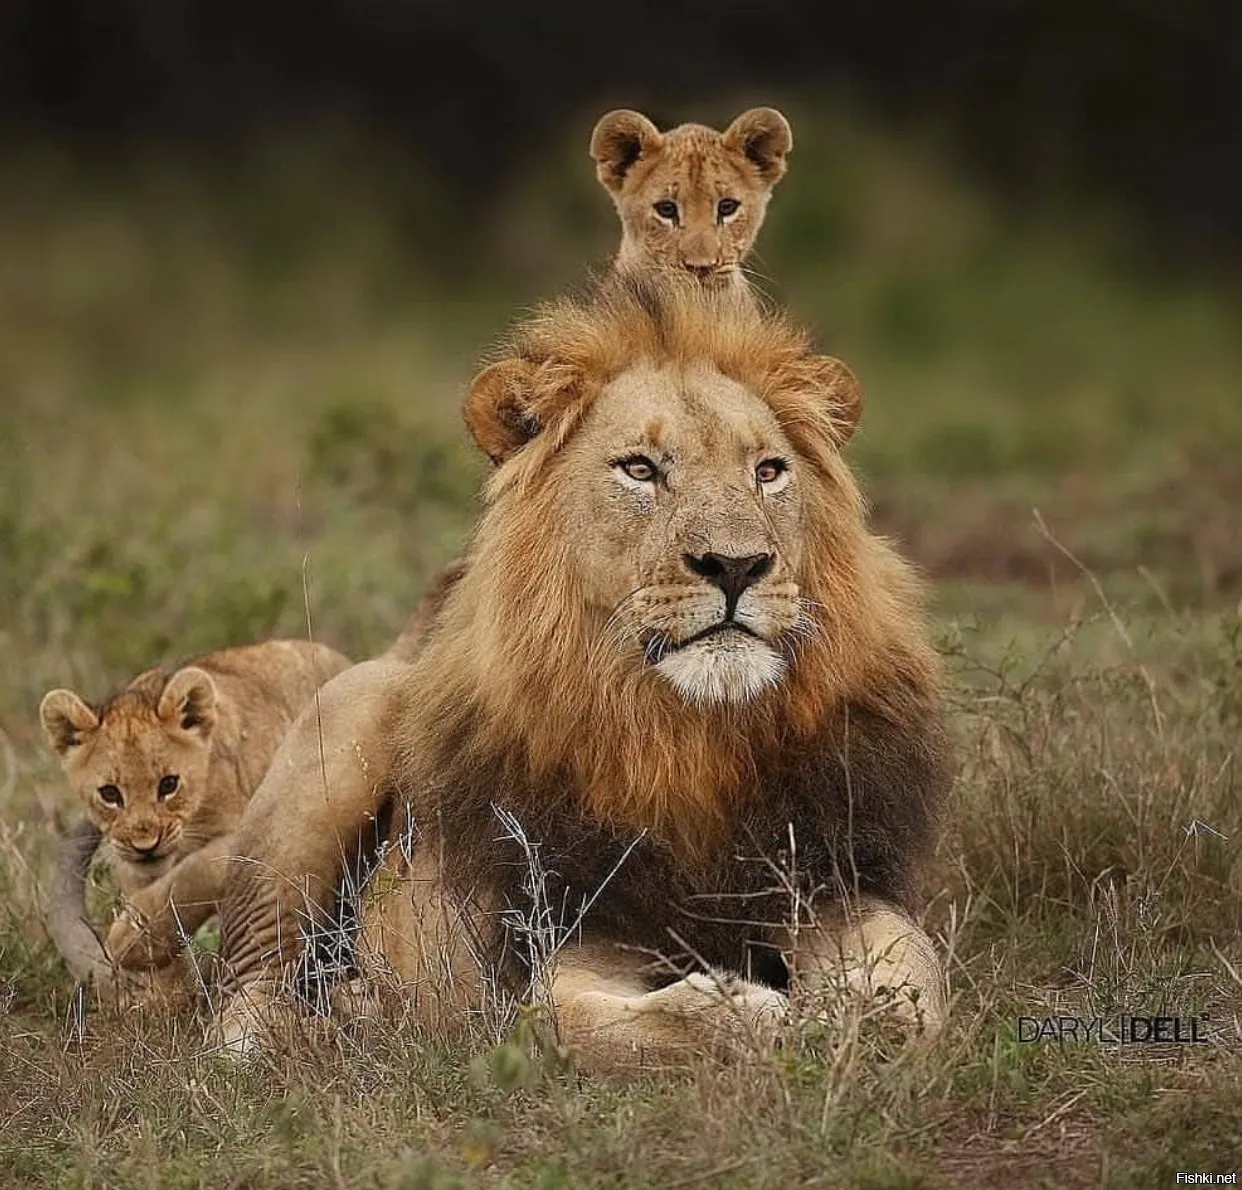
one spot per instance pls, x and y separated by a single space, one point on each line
732 575
700 271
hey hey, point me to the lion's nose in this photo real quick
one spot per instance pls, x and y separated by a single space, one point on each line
732 575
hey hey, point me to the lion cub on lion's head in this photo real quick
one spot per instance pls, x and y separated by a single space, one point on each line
163 770
690 198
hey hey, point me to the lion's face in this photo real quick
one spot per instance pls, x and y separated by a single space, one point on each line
668 484
141 771
690 199
682 498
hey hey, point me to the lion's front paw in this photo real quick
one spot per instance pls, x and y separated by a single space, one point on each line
908 1004
750 1006
247 1024
238 1032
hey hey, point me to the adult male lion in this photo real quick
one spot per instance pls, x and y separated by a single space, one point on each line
674 735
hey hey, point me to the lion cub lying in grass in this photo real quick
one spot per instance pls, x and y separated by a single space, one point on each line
164 770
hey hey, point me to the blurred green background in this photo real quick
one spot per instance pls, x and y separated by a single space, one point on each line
230 388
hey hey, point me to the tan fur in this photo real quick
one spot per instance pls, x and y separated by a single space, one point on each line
536 682
210 729
696 169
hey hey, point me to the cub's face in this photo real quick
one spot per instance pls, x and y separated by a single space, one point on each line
141 770
683 500
691 198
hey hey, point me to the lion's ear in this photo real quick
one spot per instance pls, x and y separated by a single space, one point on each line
838 388
189 701
764 137
66 719
499 410
621 138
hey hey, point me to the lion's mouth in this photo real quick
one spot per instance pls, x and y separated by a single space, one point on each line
661 645
714 278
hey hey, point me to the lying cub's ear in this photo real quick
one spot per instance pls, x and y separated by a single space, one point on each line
621 138
66 720
189 701
763 136
499 410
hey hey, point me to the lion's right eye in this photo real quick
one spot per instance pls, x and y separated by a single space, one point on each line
111 794
666 208
770 470
639 468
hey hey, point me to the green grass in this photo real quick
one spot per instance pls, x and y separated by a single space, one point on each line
230 404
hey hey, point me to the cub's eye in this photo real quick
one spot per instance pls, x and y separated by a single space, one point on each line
726 207
666 208
111 794
639 468
770 470
168 785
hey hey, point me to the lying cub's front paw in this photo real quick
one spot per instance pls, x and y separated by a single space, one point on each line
136 940
169 988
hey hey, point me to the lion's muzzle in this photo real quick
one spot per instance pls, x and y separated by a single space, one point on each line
732 575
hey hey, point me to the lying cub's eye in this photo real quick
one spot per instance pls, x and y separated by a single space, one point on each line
110 794
770 470
639 468
666 208
726 207
168 785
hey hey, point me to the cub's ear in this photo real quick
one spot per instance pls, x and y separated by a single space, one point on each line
66 719
189 701
621 138
763 136
499 408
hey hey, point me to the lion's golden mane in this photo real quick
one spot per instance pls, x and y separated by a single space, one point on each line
514 643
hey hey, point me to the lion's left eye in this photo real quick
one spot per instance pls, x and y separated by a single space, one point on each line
726 207
168 785
770 470
639 468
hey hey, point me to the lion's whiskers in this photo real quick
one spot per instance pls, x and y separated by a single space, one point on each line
617 629
656 647
757 280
